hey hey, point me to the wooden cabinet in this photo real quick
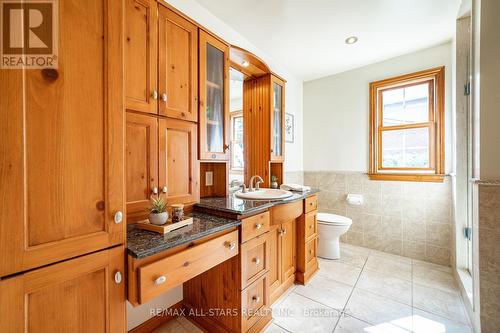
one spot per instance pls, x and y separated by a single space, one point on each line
277 119
177 66
307 241
178 166
140 54
214 98
161 61
141 155
62 144
86 294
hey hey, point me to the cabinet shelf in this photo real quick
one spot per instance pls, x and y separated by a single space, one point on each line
213 85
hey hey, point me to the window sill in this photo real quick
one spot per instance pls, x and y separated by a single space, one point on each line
407 177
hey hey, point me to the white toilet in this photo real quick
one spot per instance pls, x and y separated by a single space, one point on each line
330 228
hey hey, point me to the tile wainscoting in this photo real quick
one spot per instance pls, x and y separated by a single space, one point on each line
405 218
294 177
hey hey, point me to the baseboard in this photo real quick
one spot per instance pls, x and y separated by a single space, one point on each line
156 321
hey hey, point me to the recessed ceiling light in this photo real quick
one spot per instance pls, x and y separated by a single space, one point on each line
351 40
245 63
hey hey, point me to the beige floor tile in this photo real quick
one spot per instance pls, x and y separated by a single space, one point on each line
353 255
273 328
431 265
188 325
397 268
375 253
327 291
425 322
385 285
348 324
172 326
434 278
378 310
339 271
300 314
440 302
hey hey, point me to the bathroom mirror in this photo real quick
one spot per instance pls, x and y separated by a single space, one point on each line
237 160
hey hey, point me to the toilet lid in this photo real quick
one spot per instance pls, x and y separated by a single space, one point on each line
325 218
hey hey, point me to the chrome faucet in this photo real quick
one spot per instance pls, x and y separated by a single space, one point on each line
239 184
259 181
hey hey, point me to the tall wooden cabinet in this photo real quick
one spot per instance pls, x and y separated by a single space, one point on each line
62 144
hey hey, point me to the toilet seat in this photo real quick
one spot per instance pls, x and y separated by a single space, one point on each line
333 219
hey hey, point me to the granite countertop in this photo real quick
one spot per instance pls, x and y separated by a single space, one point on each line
143 243
232 204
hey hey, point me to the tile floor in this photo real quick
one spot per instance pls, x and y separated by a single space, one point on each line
368 291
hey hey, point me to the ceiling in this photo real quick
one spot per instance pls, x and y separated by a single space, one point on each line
307 36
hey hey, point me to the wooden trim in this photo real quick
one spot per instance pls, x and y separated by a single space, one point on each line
156 321
435 78
410 177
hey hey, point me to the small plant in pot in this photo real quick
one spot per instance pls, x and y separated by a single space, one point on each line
158 214
274 182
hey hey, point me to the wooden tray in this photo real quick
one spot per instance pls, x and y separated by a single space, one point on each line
163 229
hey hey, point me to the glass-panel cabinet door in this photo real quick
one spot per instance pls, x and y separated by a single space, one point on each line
214 106
277 119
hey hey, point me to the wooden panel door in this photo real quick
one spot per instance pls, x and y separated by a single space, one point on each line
140 50
62 165
78 295
178 166
177 66
214 98
141 155
277 119
275 277
288 249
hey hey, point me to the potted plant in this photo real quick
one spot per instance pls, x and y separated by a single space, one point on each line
274 182
158 214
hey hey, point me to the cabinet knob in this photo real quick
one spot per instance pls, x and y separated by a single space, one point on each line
256 299
160 280
118 277
256 261
154 94
282 232
258 226
230 245
310 227
118 217
154 190
164 189
164 97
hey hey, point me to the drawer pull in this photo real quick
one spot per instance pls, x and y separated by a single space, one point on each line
258 226
230 245
256 261
256 299
160 280
311 251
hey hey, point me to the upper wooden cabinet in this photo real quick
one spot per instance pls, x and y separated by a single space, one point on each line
277 119
161 61
62 166
177 66
141 90
86 294
214 98
178 166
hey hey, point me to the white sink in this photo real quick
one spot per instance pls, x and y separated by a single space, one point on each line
264 194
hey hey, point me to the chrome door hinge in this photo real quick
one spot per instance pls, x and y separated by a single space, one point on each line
467 89
468 233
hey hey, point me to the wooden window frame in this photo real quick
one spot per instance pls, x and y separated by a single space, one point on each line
435 172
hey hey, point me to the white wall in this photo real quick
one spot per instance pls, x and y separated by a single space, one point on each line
293 105
336 110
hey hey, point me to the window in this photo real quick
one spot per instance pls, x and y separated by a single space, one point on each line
237 159
407 127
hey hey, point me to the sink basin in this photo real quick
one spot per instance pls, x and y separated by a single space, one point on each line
265 194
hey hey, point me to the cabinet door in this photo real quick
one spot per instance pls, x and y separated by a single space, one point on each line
178 166
214 98
78 295
141 56
177 66
288 248
62 165
275 258
277 119
141 161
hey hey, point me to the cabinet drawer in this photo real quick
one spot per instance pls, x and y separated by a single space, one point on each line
255 257
254 226
311 224
170 272
255 303
311 203
310 252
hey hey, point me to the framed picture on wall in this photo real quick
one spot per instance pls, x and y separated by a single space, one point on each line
289 127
